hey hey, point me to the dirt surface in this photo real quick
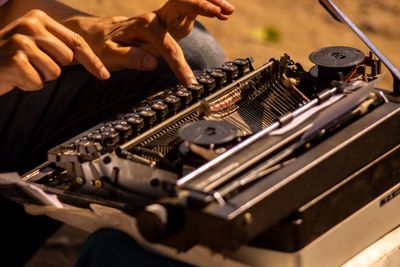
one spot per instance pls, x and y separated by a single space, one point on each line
261 29
299 27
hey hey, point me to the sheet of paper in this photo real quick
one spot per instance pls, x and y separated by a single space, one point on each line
34 191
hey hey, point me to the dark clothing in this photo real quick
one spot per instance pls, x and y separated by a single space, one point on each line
108 247
33 122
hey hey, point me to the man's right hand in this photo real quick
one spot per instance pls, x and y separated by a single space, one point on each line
34 47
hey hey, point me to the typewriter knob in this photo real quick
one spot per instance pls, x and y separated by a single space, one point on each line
109 137
243 64
160 108
95 137
231 70
149 116
185 96
196 89
208 83
122 127
173 102
219 77
152 222
136 122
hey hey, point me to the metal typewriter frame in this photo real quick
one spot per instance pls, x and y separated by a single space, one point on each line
204 215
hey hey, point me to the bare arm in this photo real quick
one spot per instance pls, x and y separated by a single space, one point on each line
17 8
134 42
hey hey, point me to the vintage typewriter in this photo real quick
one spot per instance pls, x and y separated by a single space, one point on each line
274 166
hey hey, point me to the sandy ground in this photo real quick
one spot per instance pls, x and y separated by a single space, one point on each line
301 26
261 29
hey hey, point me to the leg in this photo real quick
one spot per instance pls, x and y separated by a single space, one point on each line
109 247
32 123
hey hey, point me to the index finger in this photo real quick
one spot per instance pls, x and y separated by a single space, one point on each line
82 51
209 8
170 50
226 7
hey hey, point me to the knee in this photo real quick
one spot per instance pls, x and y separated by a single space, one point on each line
201 49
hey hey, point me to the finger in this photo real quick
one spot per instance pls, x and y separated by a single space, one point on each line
209 8
169 49
55 48
44 64
82 52
222 17
202 7
130 57
40 60
28 78
226 7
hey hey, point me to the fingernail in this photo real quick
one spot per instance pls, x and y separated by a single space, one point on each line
192 80
149 62
104 73
228 6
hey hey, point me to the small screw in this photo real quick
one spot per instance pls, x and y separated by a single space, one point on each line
248 218
97 183
79 180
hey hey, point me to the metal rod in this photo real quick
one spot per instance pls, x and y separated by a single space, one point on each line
193 175
340 16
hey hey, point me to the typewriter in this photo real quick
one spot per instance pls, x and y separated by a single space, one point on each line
275 166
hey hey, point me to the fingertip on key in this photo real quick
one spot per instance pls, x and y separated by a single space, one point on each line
105 74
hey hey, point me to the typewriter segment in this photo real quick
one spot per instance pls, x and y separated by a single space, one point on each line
270 166
173 132
203 144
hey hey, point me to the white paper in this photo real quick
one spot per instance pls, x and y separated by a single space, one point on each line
34 191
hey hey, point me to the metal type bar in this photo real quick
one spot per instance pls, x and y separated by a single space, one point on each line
236 149
193 108
337 114
340 16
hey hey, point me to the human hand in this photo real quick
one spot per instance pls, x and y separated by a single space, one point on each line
178 16
133 43
136 42
34 47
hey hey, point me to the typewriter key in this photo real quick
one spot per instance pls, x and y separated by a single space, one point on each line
122 127
231 70
184 95
109 138
95 137
196 89
173 103
160 108
149 116
107 128
136 122
243 66
219 77
208 83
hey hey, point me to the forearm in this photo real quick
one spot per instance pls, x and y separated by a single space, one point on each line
55 9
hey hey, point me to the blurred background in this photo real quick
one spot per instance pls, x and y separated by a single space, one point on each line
267 28
261 29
